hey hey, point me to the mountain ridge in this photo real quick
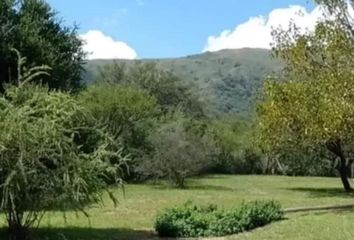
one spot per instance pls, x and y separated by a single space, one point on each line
230 79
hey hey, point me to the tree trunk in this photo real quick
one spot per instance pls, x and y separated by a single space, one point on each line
17 232
344 172
346 184
16 229
336 148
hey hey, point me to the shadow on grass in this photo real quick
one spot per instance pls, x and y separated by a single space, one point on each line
77 233
217 176
192 187
338 212
323 192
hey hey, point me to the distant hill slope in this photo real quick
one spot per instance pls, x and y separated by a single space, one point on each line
227 80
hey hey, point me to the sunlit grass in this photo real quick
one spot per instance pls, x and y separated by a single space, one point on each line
134 216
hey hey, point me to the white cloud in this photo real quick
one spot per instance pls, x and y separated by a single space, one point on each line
100 46
256 32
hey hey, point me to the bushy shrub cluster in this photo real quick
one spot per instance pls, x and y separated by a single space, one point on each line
53 154
190 220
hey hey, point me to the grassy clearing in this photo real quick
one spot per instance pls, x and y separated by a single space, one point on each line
311 226
133 218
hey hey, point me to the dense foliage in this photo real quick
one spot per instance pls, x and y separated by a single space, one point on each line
191 220
128 113
169 90
52 154
223 145
180 150
157 118
122 109
32 27
236 153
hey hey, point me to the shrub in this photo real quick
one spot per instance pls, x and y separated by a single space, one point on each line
45 159
184 221
190 220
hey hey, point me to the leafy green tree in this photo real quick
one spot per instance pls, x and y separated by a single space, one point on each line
231 133
32 27
314 106
163 85
233 136
179 151
51 154
128 114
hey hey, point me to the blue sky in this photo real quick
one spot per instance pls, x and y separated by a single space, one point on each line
165 28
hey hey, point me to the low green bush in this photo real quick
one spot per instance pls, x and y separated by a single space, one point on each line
190 220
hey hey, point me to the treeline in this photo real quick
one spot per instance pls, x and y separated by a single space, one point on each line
227 80
162 126
157 121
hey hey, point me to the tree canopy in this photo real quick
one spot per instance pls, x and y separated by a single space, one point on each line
127 113
313 106
32 27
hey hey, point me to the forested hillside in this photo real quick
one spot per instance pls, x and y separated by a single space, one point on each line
227 81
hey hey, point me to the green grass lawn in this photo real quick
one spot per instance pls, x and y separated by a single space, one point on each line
134 216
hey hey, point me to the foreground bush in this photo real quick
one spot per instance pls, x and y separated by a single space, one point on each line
195 221
51 154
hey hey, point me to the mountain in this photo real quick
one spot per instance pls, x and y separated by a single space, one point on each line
228 80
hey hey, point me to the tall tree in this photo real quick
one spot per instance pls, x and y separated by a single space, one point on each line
314 105
128 113
32 27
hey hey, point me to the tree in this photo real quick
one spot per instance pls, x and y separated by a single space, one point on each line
51 153
32 27
233 138
168 89
314 105
128 114
119 107
178 152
